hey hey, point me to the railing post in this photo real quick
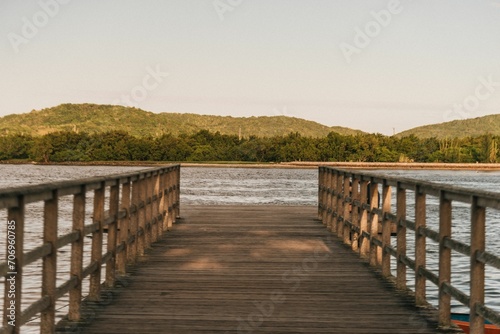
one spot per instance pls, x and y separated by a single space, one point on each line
478 245
124 233
373 222
156 206
401 238
332 204
444 260
327 194
159 206
96 255
339 207
364 249
346 230
320 192
177 192
114 202
171 198
151 218
164 200
141 232
147 207
321 189
75 294
355 213
15 217
49 263
386 230
420 247
134 222
344 208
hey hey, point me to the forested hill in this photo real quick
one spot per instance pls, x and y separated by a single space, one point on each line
93 118
474 127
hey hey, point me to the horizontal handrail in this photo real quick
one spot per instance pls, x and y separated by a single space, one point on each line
350 205
142 205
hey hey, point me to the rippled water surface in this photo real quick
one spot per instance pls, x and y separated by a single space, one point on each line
214 186
249 186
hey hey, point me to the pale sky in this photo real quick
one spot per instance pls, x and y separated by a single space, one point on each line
370 65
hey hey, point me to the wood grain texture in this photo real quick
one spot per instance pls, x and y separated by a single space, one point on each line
256 269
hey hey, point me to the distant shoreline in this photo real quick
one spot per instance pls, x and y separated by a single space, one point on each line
406 165
360 165
294 165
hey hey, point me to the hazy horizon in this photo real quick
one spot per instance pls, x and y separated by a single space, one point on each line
381 66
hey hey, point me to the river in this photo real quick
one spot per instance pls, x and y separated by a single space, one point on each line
244 186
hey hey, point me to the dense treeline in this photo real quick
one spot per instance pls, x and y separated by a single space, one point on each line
207 146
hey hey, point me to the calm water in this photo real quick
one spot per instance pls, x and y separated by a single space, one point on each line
250 186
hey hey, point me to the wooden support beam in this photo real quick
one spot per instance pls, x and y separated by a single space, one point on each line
75 294
141 244
124 229
134 223
383 255
444 260
114 202
96 252
374 199
401 238
334 202
477 269
149 205
420 247
49 264
355 214
344 232
156 208
364 249
177 174
321 183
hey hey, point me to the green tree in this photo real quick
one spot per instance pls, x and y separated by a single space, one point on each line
41 149
15 146
491 149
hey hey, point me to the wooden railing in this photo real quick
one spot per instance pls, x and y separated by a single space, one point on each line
349 205
141 206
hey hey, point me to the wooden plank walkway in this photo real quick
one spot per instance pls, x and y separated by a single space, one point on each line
256 269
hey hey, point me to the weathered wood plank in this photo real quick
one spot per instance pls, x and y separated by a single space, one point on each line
256 269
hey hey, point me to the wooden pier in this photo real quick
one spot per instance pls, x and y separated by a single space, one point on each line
255 269
241 269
